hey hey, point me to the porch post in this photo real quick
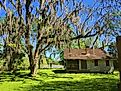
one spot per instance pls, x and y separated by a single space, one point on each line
118 43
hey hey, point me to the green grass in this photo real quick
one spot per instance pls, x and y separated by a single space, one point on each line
47 80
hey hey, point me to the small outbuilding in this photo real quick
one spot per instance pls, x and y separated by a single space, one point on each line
87 60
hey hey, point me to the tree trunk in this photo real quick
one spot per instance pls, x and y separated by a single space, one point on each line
33 60
27 37
9 63
118 40
39 61
34 67
39 64
9 60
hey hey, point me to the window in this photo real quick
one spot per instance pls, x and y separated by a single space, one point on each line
107 62
96 62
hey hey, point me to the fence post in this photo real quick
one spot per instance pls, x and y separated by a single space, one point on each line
118 43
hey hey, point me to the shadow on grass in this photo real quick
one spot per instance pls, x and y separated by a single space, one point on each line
52 76
9 76
82 85
64 71
20 76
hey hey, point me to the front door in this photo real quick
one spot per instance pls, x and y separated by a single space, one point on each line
83 64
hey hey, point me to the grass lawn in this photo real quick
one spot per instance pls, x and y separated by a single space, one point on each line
47 80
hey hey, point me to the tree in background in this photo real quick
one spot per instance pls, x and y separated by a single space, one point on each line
10 43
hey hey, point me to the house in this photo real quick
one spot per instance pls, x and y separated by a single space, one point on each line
87 60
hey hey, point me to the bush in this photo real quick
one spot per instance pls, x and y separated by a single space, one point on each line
24 64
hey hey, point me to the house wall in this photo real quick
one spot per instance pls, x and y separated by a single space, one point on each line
90 66
100 68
